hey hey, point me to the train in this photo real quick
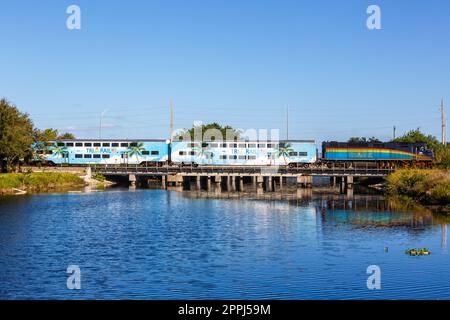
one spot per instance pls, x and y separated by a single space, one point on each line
290 153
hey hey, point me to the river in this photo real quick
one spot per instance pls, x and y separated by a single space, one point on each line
158 244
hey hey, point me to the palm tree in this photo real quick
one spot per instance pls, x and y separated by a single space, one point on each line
284 151
136 150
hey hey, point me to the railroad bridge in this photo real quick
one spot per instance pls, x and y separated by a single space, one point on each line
234 178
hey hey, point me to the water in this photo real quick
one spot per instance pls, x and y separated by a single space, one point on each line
156 244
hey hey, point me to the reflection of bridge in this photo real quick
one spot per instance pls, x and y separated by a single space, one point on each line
233 177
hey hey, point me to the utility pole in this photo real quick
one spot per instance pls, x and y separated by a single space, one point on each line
443 126
393 134
101 124
287 123
171 121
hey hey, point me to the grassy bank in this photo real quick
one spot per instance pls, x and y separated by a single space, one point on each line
425 186
37 181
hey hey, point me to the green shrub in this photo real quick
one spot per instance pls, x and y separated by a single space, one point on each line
430 186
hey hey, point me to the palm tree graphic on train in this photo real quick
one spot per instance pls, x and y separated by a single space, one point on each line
135 150
39 150
59 151
203 152
283 151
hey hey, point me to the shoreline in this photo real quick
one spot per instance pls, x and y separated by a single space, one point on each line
37 182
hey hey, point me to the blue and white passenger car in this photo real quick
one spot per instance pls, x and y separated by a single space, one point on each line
241 153
91 152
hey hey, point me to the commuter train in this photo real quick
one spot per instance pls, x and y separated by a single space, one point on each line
160 152
291 153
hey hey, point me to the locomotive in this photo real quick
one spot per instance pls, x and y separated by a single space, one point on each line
291 153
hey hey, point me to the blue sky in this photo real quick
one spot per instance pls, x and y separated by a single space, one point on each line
237 62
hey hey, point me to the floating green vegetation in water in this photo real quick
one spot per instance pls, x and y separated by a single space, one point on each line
418 252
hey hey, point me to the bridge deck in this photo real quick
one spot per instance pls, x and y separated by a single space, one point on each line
241 170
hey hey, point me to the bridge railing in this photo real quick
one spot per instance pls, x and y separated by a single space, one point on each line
263 170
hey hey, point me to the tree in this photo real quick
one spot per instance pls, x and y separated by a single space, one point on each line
441 152
51 134
211 126
66 136
16 135
356 140
416 136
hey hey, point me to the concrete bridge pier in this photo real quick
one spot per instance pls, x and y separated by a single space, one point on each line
241 183
208 183
304 181
132 180
269 183
259 181
164 182
198 182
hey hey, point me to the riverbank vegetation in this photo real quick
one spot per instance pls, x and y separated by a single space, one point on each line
427 186
38 181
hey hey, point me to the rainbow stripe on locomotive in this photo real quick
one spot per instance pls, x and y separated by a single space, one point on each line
385 153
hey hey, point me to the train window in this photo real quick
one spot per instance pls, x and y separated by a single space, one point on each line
261 145
233 157
106 144
124 144
302 154
224 145
40 151
252 145
192 145
78 144
214 145
69 144
155 153
242 145
232 145
269 145
205 145
293 154
273 145
49 144
88 144
192 153
105 156
242 157
60 144
88 156
251 157
222 157
48 152
182 153
114 144
282 145
78 156
96 156
133 144
97 144
145 153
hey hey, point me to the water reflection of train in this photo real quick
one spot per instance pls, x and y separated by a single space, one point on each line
374 211
292 153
